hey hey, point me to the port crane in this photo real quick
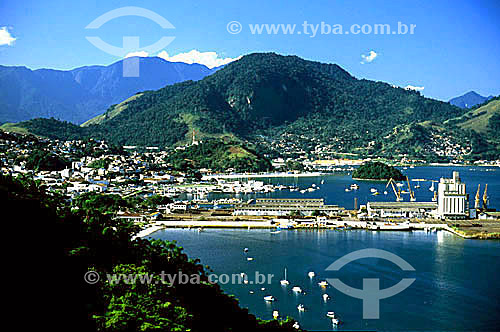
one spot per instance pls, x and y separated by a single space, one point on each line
485 197
477 201
396 192
412 193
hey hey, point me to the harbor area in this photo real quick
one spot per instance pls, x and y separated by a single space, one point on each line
469 229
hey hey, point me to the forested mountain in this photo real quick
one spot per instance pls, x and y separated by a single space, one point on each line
274 96
469 100
80 94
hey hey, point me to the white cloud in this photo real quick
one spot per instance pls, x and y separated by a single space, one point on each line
209 59
142 54
368 58
415 88
5 37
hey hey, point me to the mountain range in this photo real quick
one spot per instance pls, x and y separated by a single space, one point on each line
287 102
80 94
469 100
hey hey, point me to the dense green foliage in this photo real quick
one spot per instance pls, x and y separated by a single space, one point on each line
494 127
100 163
377 171
219 155
64 243
42 160
54 129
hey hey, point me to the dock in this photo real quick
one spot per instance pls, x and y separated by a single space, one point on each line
331 225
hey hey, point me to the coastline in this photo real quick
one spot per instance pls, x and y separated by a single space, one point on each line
264 175
337 225
373 180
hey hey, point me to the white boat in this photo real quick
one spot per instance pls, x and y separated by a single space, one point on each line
297 289
296 326
284 282
335 321
325 297
245 250
431 188
276 314
251 292
347 189
249 258
322 181
311 274
301 307
373 190
269 298
275 232
323 283
385 192
330 314
354 186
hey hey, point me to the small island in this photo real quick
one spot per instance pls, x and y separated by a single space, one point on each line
377 171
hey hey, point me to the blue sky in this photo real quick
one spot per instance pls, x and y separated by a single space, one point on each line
454 49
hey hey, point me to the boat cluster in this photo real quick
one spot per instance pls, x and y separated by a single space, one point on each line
298 290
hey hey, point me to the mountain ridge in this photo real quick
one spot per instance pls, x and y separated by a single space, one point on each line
469 99
82 93
269 97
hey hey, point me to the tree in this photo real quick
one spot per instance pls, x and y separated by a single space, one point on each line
42 160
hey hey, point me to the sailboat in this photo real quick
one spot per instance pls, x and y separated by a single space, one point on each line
284 282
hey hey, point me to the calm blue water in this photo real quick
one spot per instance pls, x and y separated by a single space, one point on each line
333 189
457 281
457 284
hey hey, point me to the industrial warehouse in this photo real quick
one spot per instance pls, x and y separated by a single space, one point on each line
452 203
287 207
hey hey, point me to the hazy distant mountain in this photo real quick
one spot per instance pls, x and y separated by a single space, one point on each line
80 94
469 100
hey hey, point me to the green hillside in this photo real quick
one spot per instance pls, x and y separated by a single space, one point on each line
113 111
479 118
269 95
263 91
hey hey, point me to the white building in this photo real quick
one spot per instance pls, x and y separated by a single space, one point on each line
453 201
401 209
